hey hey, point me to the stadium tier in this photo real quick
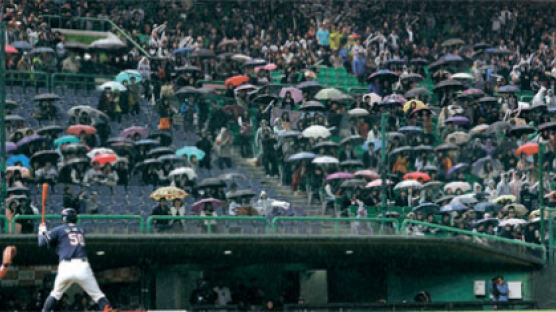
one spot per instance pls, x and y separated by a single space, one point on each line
278 155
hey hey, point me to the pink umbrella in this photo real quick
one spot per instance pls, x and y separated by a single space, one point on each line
339 175
368 174
269 67
10 49
297 95
131 131
377 183
200 205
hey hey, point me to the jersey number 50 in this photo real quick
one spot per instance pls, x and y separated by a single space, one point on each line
76 239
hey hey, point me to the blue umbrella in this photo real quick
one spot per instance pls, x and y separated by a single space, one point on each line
301 156
67 139
127 74
24 160
377 143
21 45
453 207
486 206
508 89
451 58
181 50
190 151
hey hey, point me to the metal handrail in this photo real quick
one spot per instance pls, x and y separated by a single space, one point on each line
80 218
55 79
472 234
9 76
6 222
204 218
335 220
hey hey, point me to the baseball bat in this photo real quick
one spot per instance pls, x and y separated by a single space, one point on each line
44 196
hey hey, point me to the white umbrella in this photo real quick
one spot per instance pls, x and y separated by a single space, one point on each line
463 76
316 132
99 150
113 85
325 160
465 199
184 170
375 98
241 58
511 222
408 184
463 186
358 112
111 43
479 129
458 137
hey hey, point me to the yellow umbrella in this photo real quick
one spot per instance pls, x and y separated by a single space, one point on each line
502 198
169 193
408 105
519 209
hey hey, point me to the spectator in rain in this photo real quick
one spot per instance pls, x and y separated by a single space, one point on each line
161 209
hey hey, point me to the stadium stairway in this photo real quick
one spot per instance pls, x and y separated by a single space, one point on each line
283 192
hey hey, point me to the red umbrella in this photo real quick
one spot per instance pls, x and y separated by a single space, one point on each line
236 80
78 129
530 148
10 49
417 175
104 158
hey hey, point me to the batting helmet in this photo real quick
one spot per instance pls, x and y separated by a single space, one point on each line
69 215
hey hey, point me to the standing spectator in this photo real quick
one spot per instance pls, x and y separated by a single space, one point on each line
222 147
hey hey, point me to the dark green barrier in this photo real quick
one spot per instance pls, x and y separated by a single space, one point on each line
208 223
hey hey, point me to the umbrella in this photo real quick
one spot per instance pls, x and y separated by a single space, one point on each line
100 150
325 160
169 193
445 147
466 199
329 93
512 222
288 134
254 62
202 53
312 105
75 148
486 207
368 174
479 129
240 193
358 112
377 183
267 67
245 87
473 93
426 208
78 129
504 198
181 50
10 147
127 74
463 186
422 148
488 100
162 137
41 50
412 77
408 185
200 205
339 175
232 176
402 149
547 126
240 58
46 97
452 42
188 69
175 160
189 172
477 166
508 89
14 119
453 207
310 85
264 99
68 139
417 175
457 168
353 183
132 131
148 143
108 44
529 148
236 80
22 170
226 42
295 93
45 155
93 112
22 45
383 74
351 163
432 185
444 199
32 139
19 158
352 139
326 144
301 156
458 120
159 151
411 130
458 137
417 92
191 151
463 76
104 158
449 83
518 131
316 132
413 104
211 182
112 85
393 99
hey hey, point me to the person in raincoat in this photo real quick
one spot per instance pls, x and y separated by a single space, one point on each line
503 187
263 204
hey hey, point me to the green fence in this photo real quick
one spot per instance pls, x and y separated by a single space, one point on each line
80 219
208 225
409 226
6 223
77 81
25 79
334 226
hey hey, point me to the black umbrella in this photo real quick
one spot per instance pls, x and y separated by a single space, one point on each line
14 118
449 83
18 190
53 130
481 46
520 130
488 100
45 155
312 105
264 99
351 163
171 158
11 104
47 97
188 69
254 62
422 148
147 163
211 182
41 50
326 144
185 91
446 147
353 183
163 137
547 126
413 77
202 53
402 149
240 193
426 208
74 148
159 151
353 140
419 61
416 92
444 199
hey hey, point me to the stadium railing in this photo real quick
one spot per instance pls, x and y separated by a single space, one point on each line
53 220
493 241
36 79
334 226
208 225
5 223
77 81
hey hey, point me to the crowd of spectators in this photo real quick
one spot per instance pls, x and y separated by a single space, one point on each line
467 92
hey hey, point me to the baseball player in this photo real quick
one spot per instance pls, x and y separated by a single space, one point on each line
69 241
7 258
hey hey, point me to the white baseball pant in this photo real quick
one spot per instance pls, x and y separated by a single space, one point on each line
79 272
